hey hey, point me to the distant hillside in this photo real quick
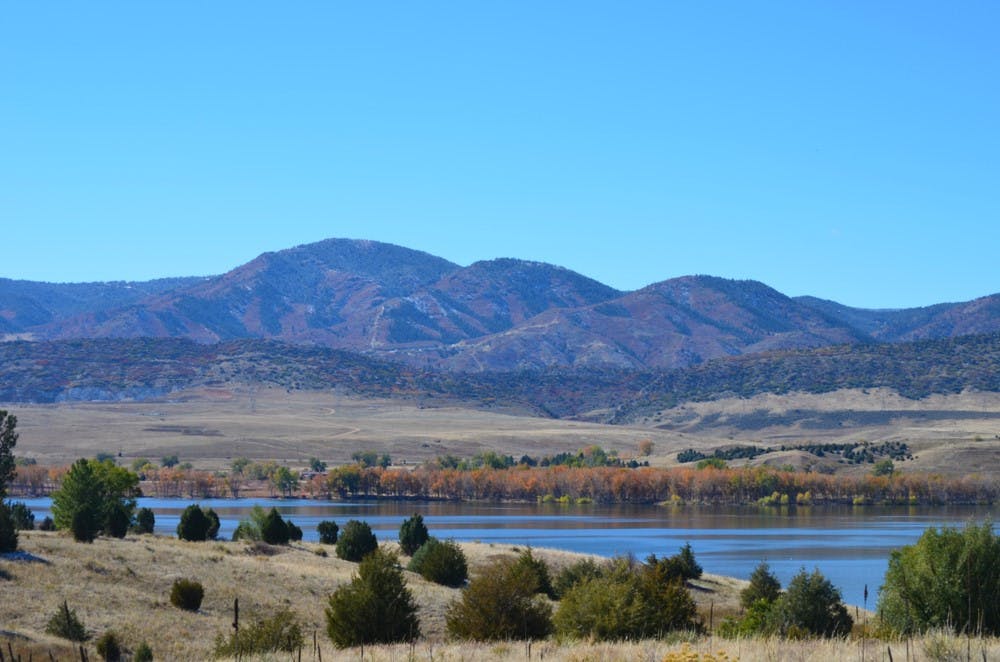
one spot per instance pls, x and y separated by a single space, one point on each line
404 305
143 368
676 323
27 305
913 369
945 320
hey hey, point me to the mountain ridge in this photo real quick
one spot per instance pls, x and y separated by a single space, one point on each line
501 314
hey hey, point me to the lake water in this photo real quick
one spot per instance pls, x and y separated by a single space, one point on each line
850 545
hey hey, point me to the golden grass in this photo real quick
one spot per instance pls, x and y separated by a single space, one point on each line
210 427
124 585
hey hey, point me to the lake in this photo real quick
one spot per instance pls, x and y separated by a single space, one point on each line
850 545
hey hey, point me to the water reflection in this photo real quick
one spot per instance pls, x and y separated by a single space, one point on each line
850 545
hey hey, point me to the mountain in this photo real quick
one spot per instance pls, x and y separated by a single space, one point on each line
26 305
330 293
672 324
504 314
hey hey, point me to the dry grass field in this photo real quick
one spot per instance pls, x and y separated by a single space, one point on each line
124 585
210 428
948 434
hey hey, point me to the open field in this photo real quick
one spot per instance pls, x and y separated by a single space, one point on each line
124 585
210 427
947 434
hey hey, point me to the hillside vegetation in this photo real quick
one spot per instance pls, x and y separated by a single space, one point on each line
143 368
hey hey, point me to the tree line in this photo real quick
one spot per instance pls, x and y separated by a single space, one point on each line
711 484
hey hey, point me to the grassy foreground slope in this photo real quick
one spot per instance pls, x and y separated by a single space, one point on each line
124 585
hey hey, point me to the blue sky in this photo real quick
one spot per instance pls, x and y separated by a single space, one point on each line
848 150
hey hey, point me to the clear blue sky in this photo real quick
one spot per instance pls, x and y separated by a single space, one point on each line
849 150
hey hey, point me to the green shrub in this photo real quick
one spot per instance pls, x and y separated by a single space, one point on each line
327 532
539 569
681 566
278 633
273 530
356 541
187 594
294 532
249 529
600 608
375 607
441 563
574 574
949 579
756 620
763 586
84 525
145 521
810 605
213 524
8 532
64 623
194 524
24 519
108 647
690 569
117 519
500 604
412 534
246 531
47 524
143 653
625 602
